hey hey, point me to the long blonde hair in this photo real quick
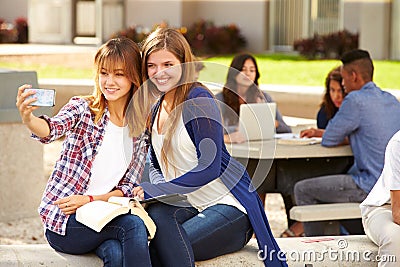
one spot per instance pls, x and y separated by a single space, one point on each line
119 51
174 42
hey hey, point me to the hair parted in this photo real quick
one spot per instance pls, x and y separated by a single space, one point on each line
230 94
116 52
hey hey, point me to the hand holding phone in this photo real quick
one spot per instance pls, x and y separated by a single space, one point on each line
45 97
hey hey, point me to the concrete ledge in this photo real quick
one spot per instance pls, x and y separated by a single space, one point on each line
325 212
44 255
320 251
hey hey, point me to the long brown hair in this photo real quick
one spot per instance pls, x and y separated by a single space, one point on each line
119 51
327 103
229 92
174 42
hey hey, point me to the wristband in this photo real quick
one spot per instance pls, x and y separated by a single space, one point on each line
90 198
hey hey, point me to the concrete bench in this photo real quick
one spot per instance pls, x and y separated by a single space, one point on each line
44 255
331 213
314 251
325 212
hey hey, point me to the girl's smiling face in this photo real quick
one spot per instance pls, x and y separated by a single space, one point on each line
164 70
113 83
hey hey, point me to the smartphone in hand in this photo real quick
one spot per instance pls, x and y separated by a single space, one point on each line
45 97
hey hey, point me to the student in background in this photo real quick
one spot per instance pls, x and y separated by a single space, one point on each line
367 118
381 209
99 159
241 89
188 156
332 100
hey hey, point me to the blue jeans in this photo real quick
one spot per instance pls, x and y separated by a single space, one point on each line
326 189
184 235
129 230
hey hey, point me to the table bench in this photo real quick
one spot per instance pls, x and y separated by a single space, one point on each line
326 212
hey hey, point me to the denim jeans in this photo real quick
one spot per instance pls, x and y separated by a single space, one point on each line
183 231
327 189
129 230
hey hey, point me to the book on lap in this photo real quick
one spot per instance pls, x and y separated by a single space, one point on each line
97 214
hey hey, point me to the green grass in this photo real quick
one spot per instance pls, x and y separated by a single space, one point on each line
295 70
274 69
51 71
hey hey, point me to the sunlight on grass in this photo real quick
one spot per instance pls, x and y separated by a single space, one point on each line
274 69
295 70
45 71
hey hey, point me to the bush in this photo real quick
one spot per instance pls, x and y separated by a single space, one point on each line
207 39
135 33
204 37
16 32
329 46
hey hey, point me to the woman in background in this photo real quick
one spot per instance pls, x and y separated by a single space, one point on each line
332 100
240 89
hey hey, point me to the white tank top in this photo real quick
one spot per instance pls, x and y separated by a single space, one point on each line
185 159
111 161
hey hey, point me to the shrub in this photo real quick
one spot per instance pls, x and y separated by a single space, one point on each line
204 37
207 39
16 32
21 24
135 33
329 46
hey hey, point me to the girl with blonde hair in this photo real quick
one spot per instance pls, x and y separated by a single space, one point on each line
188 156
99 159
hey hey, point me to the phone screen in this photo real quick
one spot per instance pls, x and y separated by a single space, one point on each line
45 97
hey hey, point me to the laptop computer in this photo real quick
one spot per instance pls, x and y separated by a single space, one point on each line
257 121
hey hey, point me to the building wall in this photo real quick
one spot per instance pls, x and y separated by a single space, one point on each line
148 13
351 15
380 35
249 16
12 9
395 33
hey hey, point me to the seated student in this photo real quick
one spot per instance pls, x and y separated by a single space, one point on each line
241 89
368 118
332 100
188 156
99 159
381 209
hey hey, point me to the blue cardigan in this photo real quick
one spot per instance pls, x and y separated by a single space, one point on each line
202 121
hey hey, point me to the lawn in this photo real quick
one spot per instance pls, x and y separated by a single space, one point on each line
274 69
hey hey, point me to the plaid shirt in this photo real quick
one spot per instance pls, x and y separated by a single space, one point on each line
72 171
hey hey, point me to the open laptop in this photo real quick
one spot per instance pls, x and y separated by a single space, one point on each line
257 121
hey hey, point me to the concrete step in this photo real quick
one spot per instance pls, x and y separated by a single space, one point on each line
355 251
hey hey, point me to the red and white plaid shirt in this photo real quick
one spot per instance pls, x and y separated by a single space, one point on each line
72 171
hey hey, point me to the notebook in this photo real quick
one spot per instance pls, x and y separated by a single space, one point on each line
257 121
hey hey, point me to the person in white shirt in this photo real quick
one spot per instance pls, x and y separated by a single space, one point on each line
381 209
